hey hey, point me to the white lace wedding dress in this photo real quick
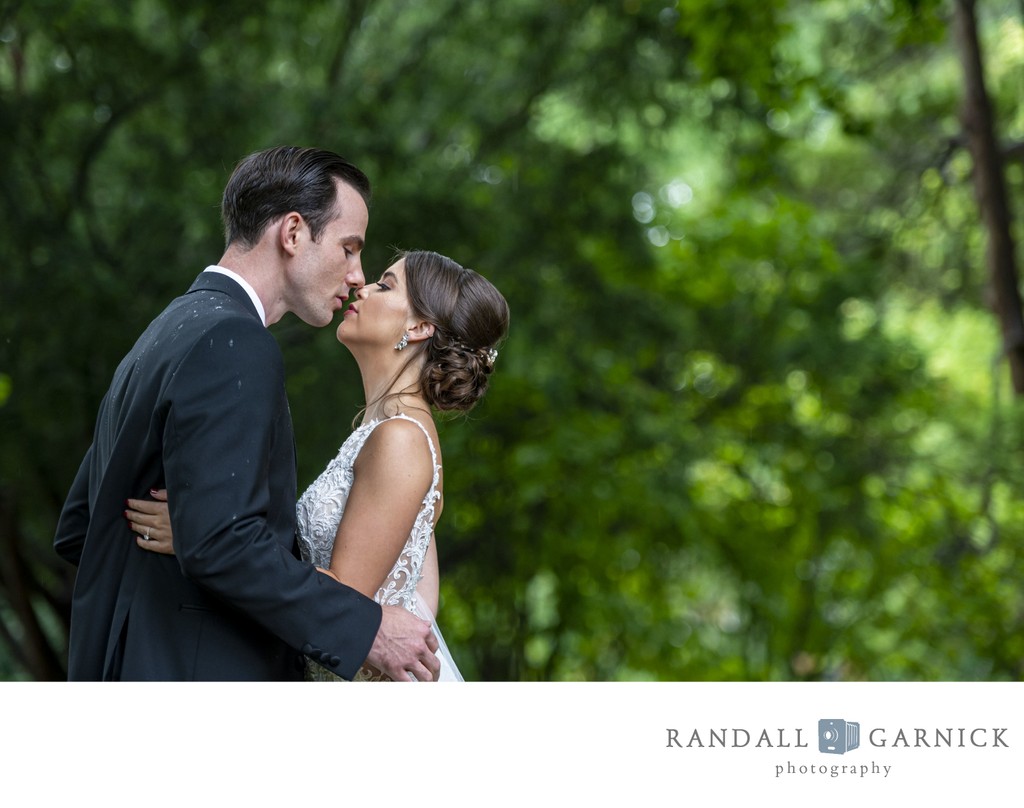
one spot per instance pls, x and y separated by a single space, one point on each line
319 511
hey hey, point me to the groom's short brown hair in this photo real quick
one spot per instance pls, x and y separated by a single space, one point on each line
268 184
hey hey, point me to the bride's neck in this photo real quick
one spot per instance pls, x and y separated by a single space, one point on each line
389 390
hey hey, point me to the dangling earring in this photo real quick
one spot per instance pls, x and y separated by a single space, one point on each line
402 342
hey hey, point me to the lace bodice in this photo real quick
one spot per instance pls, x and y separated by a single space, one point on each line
320 508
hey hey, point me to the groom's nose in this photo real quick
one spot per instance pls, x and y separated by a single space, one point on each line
354 277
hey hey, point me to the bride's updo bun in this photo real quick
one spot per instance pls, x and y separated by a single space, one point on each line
470 318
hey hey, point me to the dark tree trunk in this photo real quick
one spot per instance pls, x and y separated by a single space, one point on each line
990 190
23 593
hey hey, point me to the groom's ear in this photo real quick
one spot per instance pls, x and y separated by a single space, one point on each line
289 231
420 331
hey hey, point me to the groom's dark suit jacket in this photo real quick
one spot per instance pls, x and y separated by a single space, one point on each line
199 407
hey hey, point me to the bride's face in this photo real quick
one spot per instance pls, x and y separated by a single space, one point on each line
380 313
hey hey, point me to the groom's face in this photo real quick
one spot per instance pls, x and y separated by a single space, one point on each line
327 270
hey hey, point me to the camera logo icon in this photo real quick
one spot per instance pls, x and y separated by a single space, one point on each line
837 737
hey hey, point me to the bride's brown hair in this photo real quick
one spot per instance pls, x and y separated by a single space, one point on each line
470 318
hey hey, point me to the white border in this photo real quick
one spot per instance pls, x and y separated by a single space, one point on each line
502 743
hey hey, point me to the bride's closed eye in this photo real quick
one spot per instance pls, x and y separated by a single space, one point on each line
383 286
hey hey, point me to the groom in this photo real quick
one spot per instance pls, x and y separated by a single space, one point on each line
198 407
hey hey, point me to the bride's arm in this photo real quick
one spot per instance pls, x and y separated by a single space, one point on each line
391 476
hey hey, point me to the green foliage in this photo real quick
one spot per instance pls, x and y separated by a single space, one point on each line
750 422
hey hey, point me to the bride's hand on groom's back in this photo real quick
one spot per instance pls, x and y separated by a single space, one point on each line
150 520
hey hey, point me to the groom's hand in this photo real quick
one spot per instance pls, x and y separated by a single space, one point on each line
404 647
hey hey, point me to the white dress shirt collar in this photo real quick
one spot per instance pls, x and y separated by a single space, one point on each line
248 290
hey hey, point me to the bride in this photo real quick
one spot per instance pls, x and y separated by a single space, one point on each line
424 337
